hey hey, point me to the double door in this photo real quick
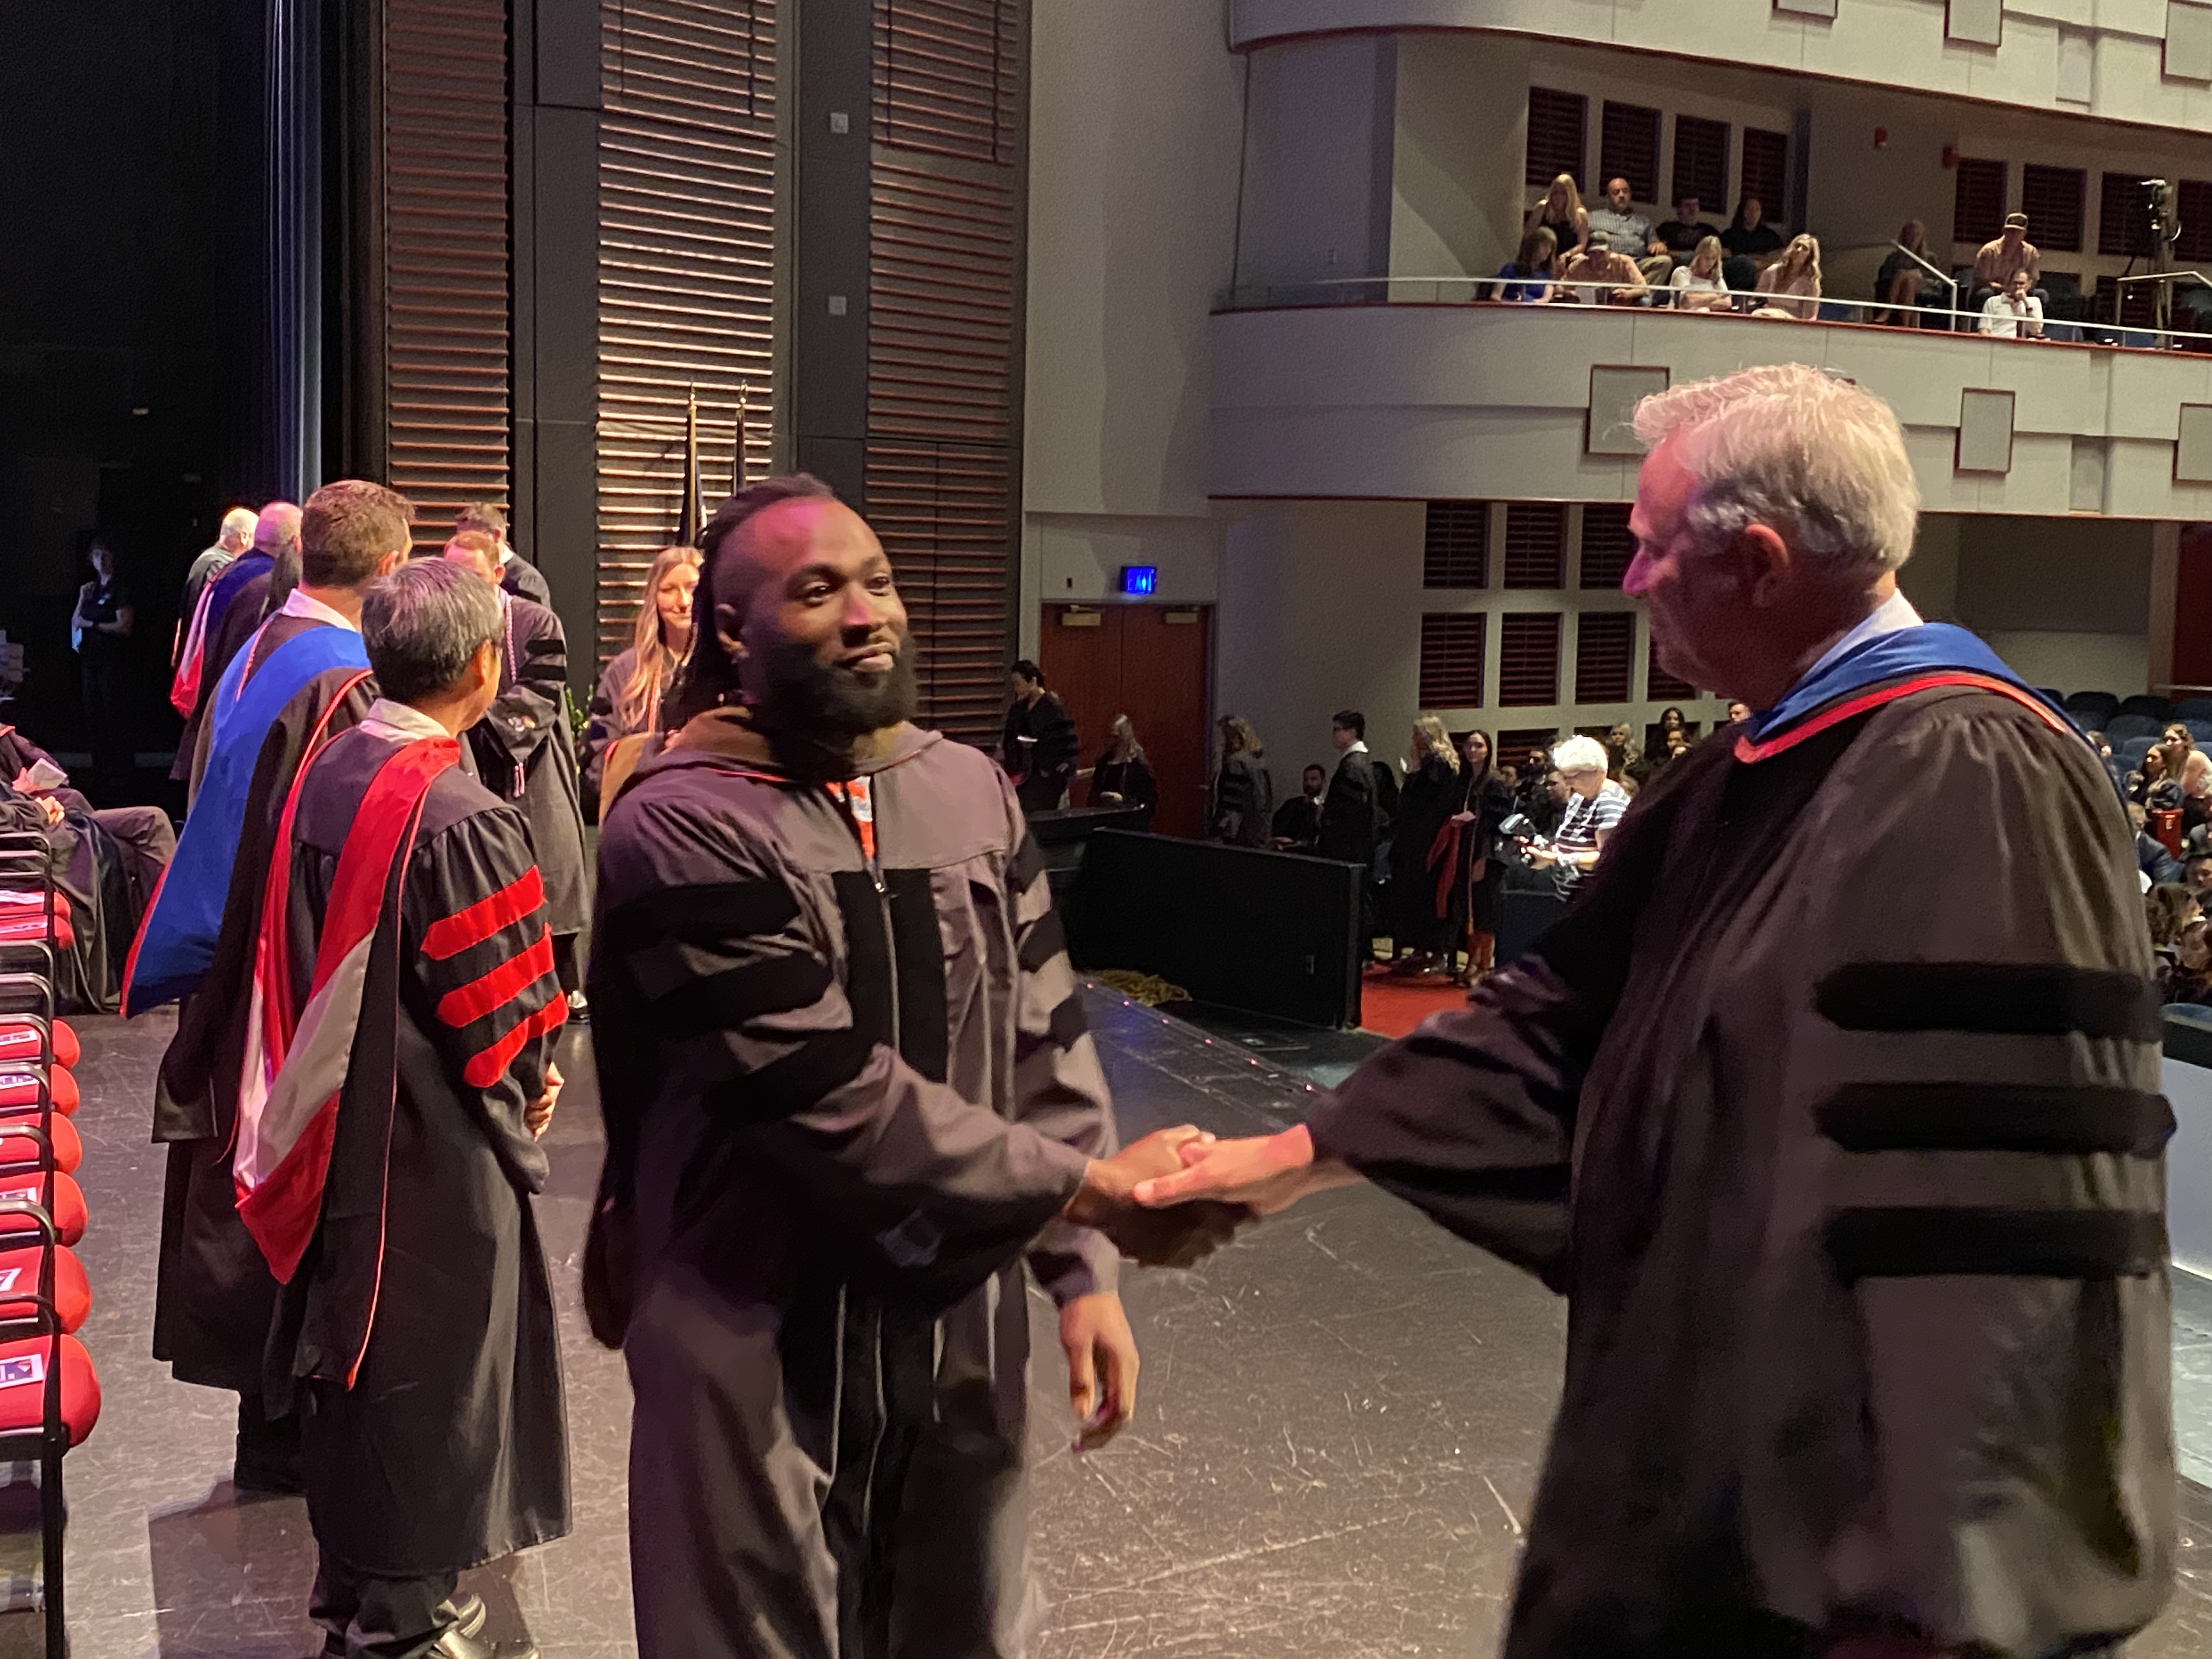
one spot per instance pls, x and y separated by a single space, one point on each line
1149 662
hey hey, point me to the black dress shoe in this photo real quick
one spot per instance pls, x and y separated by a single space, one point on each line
454 1645
468 1615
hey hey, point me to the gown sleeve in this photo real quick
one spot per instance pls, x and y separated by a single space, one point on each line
529 713
1980 1144
481 964
719 983
600 727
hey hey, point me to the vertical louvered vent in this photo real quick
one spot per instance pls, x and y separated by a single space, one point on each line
944 275
2194 206
1528 660
1535 545
1604 651
446 322
1977 200
1660 686
1766 172
1628 148
1607 545
1557 123
1701 152
2051 198
1451 660
1514 746
2120 222
1456 545
687 252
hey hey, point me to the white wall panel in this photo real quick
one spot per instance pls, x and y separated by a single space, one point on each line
1888 43
1420 402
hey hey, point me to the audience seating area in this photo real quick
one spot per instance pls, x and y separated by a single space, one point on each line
49 1389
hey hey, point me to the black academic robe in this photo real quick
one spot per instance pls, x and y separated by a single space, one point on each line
1298 822
90 867
421 1319
1419 901
213 1293
1351 822
1831 1106
525 754
245 605
1473 901
1039 746
525 581
1244 795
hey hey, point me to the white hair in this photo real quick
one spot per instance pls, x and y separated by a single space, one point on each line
1580 755
1818 460
240 521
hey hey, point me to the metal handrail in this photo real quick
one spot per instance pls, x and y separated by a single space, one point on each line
1471 289
1937 272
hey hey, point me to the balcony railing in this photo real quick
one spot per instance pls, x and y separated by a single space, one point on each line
1741 306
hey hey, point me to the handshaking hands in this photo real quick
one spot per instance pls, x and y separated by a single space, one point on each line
1177 1238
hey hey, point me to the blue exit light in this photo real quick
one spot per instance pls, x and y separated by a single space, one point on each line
1140 578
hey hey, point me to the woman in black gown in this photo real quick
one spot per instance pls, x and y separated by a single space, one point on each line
1485 803
1426 805
1123 776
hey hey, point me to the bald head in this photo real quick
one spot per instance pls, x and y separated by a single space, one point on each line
476 552
278 528
237 532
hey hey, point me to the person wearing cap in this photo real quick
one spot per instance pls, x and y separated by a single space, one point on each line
1603 263
1999 261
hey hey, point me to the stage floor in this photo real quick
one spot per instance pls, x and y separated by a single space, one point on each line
1339 1424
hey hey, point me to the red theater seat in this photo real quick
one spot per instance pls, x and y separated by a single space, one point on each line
31 930
22 1377
67 1207
13 898
18 1040
17 1148
19 1092
19 1276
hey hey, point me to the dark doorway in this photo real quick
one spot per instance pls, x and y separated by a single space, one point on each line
1149 662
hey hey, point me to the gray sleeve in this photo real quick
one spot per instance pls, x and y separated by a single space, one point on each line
1976 1148
1059 1087
726 974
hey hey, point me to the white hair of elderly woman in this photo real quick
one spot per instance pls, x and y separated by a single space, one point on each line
1820 461
1580 755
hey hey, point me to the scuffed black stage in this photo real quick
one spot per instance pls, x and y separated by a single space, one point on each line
1338 1429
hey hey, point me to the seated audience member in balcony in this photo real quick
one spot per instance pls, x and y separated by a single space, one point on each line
1699 285
1997 262
1904 282
2168 908
2015 315
2152 859
1561 212
1681 235
1297 823
1794 281
1629 232
1605 278
1749 241
2196 870
2188 976
2148 774
1532 276
2196 790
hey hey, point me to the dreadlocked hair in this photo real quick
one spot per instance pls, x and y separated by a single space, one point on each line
708 678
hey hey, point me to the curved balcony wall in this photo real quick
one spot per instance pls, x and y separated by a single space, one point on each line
2147 61
1422 402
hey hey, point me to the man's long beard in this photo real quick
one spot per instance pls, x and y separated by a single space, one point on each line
833 704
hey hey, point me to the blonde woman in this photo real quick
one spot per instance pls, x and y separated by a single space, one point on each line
1699 286
1794 281
1430 795
1561 212
1243 803
628 702
1122 775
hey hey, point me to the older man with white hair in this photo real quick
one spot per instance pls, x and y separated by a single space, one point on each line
1831 1105
232 539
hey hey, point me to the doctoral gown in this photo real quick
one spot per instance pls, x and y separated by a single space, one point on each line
213 1292
420 1318
525 754
1832 1105
849 1088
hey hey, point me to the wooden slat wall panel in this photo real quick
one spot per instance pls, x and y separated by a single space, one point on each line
687 250
1607 547
2052 197
1535 545
1766 172
1701 155
1604 651
1558 122
1456 545
1977 200
944 333
444 252
1628 148
1451 659
1528 659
